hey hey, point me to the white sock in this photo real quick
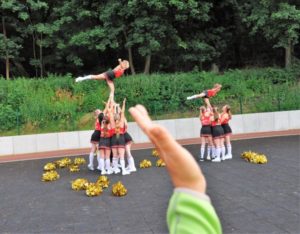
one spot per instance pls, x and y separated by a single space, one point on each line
191 97
218 152
208 150
223 151
229 149
88 77
131 162
107 164
122 161
214 153
202 151
102 164
91 159
115 162
99 159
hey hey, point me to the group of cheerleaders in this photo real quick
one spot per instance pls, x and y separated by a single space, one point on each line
215 131
111 137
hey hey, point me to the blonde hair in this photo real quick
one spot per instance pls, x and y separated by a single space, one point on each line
228 111
217 85
125 64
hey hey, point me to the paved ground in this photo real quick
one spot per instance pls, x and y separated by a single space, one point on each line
249 198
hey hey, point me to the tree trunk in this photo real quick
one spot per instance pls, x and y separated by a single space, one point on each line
6 49
41 56
288 54
131 61
34 54
130 57
147 64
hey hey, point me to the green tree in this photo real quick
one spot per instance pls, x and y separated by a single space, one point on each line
279 21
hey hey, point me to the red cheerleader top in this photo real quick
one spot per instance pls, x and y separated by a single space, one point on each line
97 125
110 132
211 92
205 119
118 72
224 120
216 122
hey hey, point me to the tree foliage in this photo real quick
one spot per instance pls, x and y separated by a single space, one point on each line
81 37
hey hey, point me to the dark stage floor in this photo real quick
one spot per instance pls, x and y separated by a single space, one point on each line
249 198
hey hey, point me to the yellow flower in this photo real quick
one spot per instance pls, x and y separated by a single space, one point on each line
79 161
93 189
50 176
63 162
49 167
160 163
253 157
155 153
145 164
74 168
119 189
79 184
103 181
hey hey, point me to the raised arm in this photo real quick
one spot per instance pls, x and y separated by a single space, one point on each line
181 165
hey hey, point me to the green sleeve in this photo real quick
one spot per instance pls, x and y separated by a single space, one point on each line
192 212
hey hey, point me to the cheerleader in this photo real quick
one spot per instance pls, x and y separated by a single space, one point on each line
225 118
205 133
118 141
206 94
98 115
217 134
128 142
107 132
109 75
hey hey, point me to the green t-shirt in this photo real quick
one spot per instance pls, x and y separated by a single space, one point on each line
191 212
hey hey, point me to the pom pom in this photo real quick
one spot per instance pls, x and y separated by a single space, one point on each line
79 161
103 181
119 189
79 184
145 164
49 167
253 157
155 153
74 168
50 176
93 189
160 163
63 162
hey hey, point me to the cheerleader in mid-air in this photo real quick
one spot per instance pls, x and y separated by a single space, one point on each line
109 75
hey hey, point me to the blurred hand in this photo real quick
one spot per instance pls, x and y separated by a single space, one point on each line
182 167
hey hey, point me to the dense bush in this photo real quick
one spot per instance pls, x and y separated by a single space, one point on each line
57 103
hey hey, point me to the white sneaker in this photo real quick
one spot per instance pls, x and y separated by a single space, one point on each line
103 172
90 167
99 168
228 156
201 159
78 79
109 172
125 172
131 169
217 159
116 170
208 157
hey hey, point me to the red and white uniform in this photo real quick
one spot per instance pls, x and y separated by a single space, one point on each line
118 72
211 92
